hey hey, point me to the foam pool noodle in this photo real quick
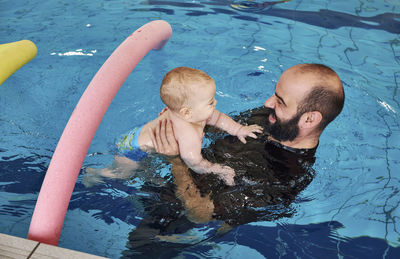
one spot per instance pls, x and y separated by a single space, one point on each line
58 184
14 55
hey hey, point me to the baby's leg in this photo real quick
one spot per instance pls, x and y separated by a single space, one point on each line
122 168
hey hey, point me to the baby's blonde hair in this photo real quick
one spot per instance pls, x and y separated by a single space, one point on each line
180 84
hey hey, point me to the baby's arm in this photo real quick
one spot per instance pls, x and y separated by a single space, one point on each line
224 122
190 151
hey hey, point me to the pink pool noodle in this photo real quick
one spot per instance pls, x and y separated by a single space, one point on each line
55 194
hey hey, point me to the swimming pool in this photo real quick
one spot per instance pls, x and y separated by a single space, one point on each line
349 209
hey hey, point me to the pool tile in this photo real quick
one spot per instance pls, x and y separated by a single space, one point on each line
45 251
12 247
15 247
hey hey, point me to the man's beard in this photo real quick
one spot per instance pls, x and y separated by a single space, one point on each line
282 131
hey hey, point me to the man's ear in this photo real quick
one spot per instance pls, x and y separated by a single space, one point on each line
310 119
186 113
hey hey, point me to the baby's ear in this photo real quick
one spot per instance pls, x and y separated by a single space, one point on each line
186 113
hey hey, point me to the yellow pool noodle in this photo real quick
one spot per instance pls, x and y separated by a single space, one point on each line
14 55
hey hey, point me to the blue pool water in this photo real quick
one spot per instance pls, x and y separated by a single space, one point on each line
351 208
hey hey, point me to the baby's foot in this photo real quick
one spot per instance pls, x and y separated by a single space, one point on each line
92 177
227 175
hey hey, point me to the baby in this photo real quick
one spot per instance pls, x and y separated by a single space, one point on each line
189 96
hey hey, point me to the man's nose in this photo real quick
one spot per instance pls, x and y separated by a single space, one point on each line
269 103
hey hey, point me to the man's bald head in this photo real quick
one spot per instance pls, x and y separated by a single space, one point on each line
325 93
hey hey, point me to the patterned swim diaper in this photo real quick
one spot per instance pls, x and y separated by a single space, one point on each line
128 145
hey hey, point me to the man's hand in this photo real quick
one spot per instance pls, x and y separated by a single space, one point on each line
248 131
163 139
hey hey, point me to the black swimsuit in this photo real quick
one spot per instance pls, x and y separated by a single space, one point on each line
268 175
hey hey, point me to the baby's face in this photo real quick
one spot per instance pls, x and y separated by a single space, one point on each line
203 102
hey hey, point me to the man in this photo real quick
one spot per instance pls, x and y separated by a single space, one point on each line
270 170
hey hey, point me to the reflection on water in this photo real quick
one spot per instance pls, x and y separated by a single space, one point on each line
324 18
254 6
293 241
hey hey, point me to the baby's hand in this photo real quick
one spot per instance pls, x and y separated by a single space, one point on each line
248 131
227 174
